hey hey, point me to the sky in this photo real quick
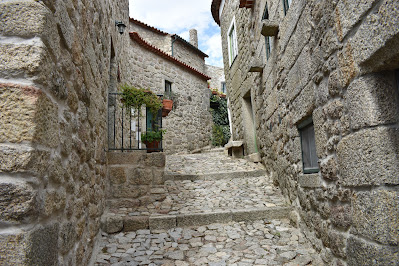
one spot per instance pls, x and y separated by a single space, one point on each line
178 17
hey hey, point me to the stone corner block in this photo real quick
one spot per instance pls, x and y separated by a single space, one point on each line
376 216
369 157
36 247
111 223
310 180
373 100
18 201
164 222
360 252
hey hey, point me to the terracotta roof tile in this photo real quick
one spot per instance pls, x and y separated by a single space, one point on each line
153 29
136 37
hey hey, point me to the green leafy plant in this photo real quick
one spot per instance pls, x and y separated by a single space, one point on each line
136 97
151 136
217 136
220 133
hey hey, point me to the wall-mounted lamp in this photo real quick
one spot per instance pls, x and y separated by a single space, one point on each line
121 26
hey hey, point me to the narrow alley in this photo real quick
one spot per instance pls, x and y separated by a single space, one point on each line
213 210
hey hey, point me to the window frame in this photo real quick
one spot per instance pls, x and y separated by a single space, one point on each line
167 82
286 5
301 128
232 42
223 87
267 38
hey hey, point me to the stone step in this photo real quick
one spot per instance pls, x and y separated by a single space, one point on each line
215 175
262 242
113 223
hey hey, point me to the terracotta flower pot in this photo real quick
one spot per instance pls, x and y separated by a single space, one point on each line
167 107
152 146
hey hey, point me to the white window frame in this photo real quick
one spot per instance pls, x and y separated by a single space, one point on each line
232 41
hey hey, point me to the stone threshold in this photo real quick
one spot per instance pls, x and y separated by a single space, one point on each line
116 223
215 176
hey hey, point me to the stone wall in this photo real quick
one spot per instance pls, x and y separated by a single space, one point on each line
58 60
184 53
333 61
159 40
217 76
188 125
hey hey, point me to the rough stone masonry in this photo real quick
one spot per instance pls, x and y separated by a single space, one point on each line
55 74
333 63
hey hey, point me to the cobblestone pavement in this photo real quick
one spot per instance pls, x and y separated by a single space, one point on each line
207 163
256 243
204 195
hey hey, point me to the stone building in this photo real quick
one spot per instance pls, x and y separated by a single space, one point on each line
59 60
313 88
57 64
163 62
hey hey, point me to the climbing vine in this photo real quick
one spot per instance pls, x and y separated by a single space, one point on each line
221 129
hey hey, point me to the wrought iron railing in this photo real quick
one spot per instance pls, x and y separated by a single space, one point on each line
125 126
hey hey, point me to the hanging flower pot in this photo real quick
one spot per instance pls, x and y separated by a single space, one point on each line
167 107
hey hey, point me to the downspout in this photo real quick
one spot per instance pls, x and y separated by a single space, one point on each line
173 41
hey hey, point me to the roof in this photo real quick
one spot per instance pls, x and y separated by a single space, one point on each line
153 29
136 37
215 10
192 47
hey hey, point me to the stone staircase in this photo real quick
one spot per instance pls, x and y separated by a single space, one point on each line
211 210
202 189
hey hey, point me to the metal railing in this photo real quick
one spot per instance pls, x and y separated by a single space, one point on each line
125 125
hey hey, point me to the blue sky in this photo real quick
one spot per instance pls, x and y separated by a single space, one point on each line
179 16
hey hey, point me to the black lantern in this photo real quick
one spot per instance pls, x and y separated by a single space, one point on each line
121 26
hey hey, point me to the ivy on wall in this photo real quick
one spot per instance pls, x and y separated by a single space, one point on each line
221 128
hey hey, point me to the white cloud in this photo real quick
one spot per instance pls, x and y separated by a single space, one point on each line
178 16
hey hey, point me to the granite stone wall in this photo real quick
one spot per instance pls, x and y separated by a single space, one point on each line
186 54
217 76
58 60
189 124
161 41
334 62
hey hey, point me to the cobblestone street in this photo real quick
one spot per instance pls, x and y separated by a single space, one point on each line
226 211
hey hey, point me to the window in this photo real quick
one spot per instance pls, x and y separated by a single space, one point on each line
232 42
223 87
287 4
168 87
308 144
267 38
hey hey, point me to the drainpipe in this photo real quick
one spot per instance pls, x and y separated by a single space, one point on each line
173 41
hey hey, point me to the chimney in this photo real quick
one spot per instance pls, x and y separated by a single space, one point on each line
194 37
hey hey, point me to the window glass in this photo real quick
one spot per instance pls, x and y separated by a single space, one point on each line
168 87
267 43
308 143
232 42
223 86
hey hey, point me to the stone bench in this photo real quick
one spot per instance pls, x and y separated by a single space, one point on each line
235 148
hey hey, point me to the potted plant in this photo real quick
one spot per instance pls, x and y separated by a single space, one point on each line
167 103
151 139
136 97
